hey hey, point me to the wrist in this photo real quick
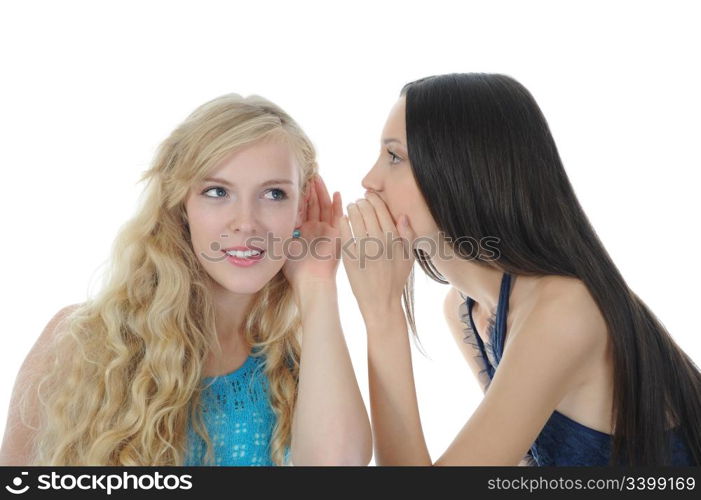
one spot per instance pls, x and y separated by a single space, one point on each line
381 318
312 288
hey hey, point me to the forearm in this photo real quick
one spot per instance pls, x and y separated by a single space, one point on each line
331 424
398 436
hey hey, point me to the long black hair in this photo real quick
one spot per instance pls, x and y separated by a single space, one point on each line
485 162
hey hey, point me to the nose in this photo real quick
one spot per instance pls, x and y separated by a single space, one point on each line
371 181
244 221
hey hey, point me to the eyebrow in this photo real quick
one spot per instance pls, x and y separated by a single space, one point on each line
387 141
266 183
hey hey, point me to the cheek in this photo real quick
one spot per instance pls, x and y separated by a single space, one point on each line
277 226
403 197
203 235
414 205
206 227
278 219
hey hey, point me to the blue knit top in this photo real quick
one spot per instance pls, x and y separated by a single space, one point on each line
562 441
239 418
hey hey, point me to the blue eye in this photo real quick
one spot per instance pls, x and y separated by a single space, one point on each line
218 188
281 196
278 194
395 159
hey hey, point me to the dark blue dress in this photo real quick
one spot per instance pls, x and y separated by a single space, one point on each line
562 441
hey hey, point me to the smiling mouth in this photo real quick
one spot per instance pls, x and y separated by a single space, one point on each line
245 254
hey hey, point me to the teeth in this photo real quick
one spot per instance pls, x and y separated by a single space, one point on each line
243 254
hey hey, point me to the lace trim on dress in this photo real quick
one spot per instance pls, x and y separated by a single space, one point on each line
488 364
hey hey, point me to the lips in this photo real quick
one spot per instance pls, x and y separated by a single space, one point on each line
243 259
243 249
243 256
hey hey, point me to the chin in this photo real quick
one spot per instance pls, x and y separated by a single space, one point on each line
243 286
244 281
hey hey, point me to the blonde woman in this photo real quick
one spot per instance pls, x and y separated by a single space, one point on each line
214 340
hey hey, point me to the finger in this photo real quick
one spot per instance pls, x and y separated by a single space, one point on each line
313 214
305 202
337 208
325 200
405 230
383 216
406 238
371 223
346 236
356 220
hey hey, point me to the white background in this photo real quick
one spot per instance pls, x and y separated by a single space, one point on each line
88 90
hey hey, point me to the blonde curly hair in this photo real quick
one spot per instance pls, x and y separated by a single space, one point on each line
124 379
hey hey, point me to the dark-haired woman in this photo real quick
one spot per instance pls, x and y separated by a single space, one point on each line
575 368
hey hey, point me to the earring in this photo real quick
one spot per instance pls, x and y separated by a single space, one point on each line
296 233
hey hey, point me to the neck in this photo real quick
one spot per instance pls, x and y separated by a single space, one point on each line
230 310
478 281
482 283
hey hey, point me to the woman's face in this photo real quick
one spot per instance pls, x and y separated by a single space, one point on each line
250 201
393 180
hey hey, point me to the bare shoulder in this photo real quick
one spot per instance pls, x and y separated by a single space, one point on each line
46 337
56 321
570 296
21 427
564 314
